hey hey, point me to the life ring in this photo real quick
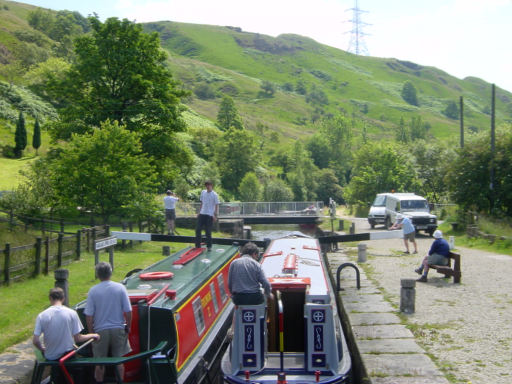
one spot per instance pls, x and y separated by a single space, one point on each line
156 275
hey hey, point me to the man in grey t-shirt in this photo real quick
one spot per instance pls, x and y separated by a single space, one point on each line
108 312
208 213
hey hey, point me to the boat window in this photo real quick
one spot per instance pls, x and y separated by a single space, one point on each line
214 296
380 201
198 315
222 289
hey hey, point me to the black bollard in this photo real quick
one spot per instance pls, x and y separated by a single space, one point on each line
61 281
166 250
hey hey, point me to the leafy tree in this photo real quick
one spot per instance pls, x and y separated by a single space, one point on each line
402 133
317 97
328 186
452 110
250 188
36 138
418 130
104 172
204 91
469 175
119 75
377 168
277 190
20 136
432 161
41 76
267 88
228 116
300 88
301 177
409 93
319 148
236 154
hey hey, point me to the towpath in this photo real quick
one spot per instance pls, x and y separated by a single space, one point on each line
465 328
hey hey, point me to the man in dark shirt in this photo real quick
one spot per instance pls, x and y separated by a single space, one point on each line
246 278
438 255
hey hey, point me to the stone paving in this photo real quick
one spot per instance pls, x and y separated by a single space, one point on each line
387 348
16 364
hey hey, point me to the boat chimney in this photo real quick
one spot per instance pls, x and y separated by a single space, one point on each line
281 378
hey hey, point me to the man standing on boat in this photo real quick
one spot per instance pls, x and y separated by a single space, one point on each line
246 278
61 327
108 312
208 213
170 211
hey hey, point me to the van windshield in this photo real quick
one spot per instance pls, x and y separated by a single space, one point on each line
380 201
414 204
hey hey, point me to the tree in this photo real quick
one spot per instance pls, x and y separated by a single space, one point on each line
277 190
250 188
227 116
418 129
469 175
104 172
409 93
377 168
452 110
20 136
36 138
119 74
402 133
267 88
328 186
236 154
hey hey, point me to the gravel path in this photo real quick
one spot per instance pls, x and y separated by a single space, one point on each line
466 327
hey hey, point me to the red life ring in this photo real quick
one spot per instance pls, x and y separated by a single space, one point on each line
156 275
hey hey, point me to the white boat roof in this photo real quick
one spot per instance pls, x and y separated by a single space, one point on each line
308 263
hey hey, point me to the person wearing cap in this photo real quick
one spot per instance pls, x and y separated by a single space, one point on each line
409 231
170 211
437 255
208 213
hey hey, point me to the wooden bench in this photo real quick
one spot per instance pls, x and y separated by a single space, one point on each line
447 270
41 363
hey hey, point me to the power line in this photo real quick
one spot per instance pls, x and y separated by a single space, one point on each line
357 44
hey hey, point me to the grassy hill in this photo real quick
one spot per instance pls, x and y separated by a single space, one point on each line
310 80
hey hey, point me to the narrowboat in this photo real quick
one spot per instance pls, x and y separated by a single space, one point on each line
297 337
183 300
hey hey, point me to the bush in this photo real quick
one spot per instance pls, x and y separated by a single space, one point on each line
8 152
204 91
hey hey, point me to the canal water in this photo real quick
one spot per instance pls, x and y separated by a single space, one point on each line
276 231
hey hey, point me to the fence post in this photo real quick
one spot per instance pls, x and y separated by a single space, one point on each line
47 255
87 238
61 281
59 249
78 244
42 226
62 225
37 269
107 230
93 235
7 263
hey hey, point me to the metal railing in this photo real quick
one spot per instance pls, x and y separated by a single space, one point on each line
269 208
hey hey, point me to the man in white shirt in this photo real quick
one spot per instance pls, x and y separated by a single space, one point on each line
61 328
207 214
170 211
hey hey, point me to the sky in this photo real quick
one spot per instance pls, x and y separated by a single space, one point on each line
461 37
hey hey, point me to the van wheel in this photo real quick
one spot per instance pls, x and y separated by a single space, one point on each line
431 233
388 223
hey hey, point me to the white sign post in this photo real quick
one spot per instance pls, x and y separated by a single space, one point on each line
108 244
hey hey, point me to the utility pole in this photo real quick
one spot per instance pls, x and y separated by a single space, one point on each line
461 122
357 44
493 145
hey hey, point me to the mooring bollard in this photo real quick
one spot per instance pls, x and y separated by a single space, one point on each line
166 250
341 225
353 228
361 253
61 281
407 295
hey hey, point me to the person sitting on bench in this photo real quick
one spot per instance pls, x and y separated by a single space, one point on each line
437 255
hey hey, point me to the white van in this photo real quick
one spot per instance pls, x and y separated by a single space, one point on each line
387 205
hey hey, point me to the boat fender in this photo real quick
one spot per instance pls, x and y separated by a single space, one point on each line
156 275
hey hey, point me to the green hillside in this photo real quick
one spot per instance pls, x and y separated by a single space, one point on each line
235 62
309 80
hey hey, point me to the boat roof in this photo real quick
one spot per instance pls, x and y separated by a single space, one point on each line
305 253
190 272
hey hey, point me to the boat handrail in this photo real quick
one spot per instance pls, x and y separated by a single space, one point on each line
281 330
